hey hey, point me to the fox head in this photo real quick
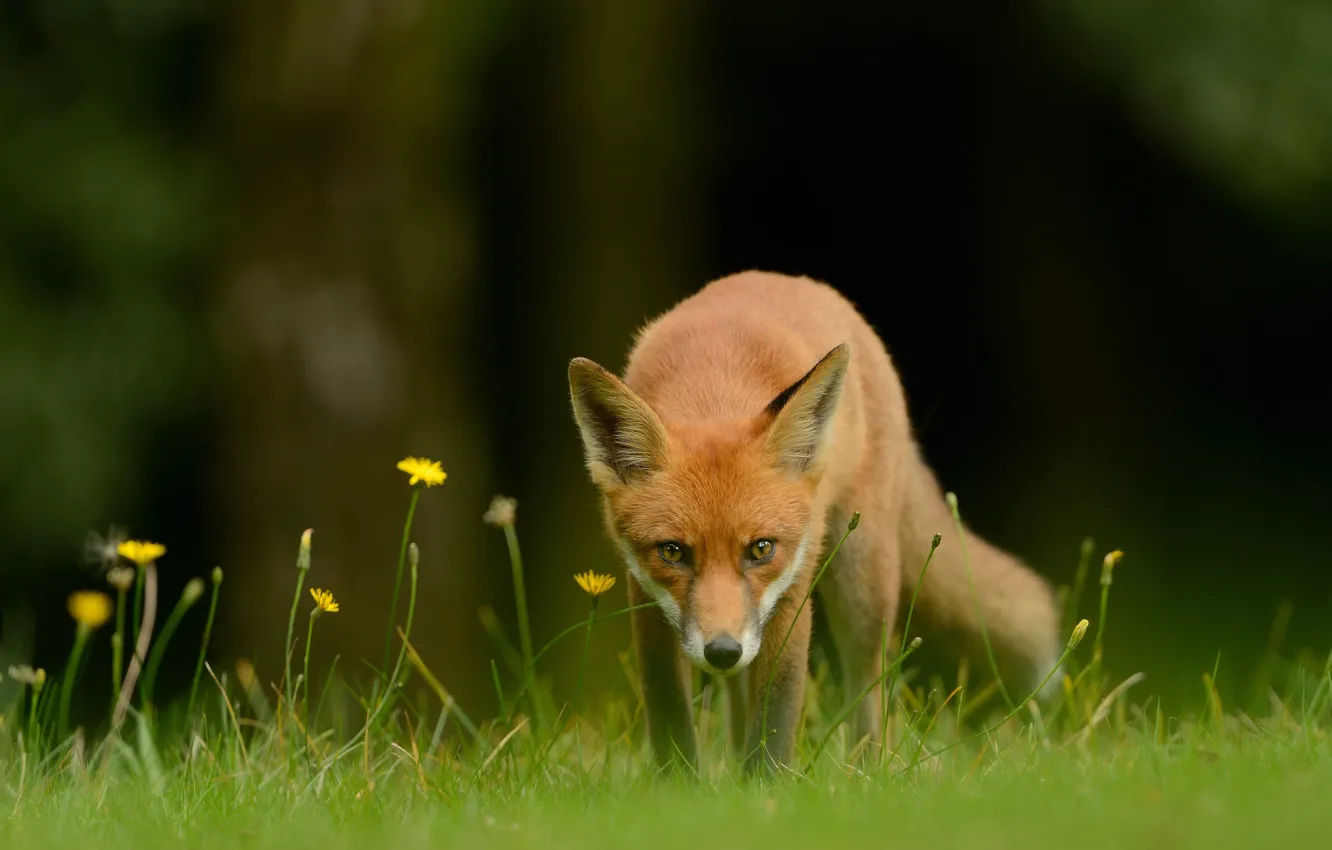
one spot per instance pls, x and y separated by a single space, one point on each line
713 518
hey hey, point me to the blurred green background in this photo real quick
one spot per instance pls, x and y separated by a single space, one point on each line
252 253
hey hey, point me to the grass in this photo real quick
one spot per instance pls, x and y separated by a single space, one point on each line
253 763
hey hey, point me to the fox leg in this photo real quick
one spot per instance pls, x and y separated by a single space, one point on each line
737 710
861 592
786 672
661 666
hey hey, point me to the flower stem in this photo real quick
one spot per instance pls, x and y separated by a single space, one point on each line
207 634
67 686
118 648
587 645
135 620
570 630
383 699
302 568
309 636
951 499
411 616
159 649
397 579
32 712
520 597
145 635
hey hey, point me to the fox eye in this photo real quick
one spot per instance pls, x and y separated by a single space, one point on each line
761 550
671 552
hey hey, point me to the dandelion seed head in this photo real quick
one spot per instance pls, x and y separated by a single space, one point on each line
503 512
104 551
23 674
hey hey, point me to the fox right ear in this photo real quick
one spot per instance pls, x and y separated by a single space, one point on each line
802 414
622 436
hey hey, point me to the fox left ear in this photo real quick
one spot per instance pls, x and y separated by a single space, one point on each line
803 412
623 437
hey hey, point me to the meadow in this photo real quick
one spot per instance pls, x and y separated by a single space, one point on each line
253 758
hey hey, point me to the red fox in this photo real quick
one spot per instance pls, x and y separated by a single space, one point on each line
753 420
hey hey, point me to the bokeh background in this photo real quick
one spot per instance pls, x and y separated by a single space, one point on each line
252 253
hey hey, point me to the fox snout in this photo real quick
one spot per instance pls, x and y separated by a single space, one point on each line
722 652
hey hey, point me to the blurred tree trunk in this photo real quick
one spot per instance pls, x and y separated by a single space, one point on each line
340 319
1067 341
617 240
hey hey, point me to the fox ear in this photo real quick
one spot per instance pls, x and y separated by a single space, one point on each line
622 436
803 413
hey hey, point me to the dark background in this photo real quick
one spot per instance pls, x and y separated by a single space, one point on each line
253 253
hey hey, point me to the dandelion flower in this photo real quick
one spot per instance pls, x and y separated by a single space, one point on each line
422 469
503 511
90 608
324 600
121 578
593 583
141 552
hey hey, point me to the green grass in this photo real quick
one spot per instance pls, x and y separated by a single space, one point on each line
1241 789
397 763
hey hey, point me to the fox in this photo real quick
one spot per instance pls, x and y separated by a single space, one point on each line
753 420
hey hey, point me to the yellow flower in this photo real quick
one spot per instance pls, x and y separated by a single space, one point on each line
324 600
141 552
422 469
90 608
594 584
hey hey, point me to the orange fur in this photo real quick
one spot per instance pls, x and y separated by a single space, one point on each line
764 408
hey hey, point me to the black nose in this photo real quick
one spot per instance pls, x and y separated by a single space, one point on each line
722 652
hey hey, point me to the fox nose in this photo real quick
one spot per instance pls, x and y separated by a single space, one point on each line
722 652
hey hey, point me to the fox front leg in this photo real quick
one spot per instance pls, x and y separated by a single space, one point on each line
670 717
775 715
